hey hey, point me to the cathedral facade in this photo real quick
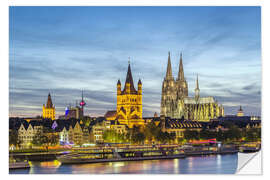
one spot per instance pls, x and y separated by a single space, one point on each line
176 103
129 102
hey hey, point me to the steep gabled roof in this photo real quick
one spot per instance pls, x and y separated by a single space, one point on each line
110 114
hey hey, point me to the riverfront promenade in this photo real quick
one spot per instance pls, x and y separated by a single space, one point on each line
130 153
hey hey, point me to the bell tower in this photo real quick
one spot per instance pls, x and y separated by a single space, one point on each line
129 102
181 81
168 94
48 110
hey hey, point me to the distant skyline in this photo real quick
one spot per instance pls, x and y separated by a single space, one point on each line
64 50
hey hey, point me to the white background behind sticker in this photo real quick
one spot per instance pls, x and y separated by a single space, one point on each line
249 163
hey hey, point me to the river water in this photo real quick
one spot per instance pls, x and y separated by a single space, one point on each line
211 164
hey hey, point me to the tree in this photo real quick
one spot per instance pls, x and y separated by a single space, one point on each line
206 134
135 135
253 134
13 138
181 140
233 133
165 137
53 139
139 138
191 134
112 136
41 138
151 131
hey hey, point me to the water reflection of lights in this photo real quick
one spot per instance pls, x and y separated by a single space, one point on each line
176 165
146 165
51 164
118 164
190 162
219 160
89 168
44 167
190 165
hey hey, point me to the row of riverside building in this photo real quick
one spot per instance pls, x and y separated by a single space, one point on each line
78 132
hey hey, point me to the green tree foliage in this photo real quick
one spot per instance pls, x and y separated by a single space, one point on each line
13 138
37 139
206 134
253 134
165 137
53 139
138 138
234 133
111 136
40 140
45 137
191 134
151 131
135 135
181 140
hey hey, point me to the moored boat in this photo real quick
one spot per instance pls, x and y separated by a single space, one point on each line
76 158
19 165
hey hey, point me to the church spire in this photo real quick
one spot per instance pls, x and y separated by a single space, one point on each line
197 90
197 83
129 80
49 101
181 70
169 68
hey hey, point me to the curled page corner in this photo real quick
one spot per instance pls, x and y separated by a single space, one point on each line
249 163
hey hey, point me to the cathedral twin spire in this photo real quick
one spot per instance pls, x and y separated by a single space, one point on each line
169 76
169 68
181 77
181 70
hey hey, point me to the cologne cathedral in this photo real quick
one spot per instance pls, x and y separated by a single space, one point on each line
175 102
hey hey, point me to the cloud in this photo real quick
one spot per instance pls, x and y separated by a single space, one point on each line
74 48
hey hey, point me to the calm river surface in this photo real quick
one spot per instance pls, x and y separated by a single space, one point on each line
213 164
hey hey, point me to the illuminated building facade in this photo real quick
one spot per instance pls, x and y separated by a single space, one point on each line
129 102
27 131
178 126
176 103
48 111
74 112
240 112
98 130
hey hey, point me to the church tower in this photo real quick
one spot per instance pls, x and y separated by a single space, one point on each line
175 102
168 95
48 111
129 102
182 91
240 112
197 91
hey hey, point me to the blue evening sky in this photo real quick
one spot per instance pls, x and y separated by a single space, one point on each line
63 50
